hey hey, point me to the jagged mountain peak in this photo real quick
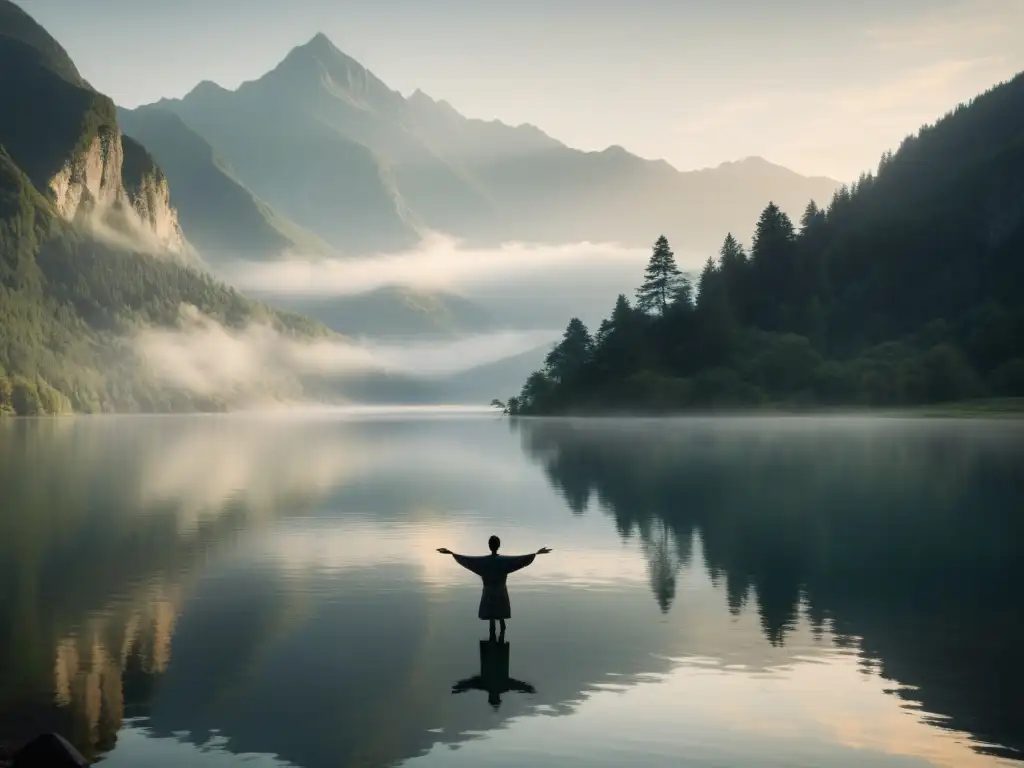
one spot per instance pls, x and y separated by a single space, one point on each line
751 161
321 43
746 165
205 91
424 105
208 87
319 65
427 103
321 50
755 164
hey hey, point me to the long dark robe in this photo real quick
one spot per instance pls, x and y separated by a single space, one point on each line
494 570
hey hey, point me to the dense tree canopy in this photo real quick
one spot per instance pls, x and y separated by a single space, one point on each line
903 290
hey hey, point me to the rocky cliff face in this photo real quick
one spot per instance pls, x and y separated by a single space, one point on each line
89 180
115 190
152 204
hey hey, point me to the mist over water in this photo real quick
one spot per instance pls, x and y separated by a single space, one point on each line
439 263
528 290
438 358
523 285
205 357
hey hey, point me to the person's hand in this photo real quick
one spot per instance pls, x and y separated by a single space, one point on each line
444 551
543 550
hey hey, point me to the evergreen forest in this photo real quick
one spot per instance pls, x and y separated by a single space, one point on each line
903 290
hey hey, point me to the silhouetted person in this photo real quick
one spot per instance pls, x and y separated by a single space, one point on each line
493 677
494 570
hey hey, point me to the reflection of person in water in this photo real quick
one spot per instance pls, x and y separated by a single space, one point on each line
494 570
493 677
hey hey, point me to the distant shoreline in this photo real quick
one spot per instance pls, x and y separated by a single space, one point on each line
304 410
992 408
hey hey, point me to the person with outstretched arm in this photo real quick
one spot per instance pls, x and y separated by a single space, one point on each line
494 569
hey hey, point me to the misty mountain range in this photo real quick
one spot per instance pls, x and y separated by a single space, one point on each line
335 151
320 158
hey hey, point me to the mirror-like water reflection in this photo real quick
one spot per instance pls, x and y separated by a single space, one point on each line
213 590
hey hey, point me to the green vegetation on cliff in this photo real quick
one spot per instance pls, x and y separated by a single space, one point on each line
66 301
904 290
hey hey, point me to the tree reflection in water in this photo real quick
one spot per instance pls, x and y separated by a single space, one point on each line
905 536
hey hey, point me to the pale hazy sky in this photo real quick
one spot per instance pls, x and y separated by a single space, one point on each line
821 86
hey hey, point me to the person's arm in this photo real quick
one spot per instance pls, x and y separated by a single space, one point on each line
466 561
517 563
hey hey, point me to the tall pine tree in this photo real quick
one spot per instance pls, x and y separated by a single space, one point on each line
535 394
812 217
716 318
812 285
662 280
735 276
732 260
773 268
708 283
570 355
619 345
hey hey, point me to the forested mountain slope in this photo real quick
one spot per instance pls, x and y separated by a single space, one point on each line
904 290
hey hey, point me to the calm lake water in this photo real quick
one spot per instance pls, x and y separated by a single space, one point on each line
219 591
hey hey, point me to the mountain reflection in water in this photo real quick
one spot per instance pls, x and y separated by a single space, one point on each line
208 589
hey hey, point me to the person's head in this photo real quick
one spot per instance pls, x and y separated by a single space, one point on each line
493 543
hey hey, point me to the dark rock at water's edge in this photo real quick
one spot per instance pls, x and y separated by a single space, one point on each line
47 751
